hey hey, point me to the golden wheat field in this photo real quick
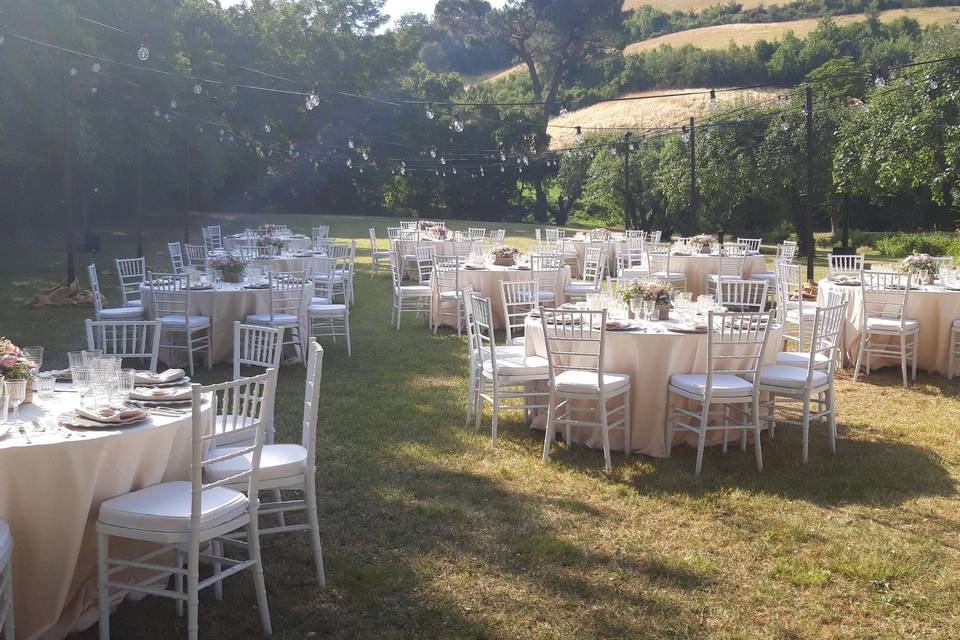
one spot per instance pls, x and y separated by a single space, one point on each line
657 112
722 35
692 5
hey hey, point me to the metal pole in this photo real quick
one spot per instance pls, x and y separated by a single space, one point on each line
811 251
186 210
140 178
67 174
694 195
628 214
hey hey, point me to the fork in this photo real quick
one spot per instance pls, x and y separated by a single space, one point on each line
37 426
23 432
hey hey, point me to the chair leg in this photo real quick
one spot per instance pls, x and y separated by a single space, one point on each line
757 445
602 409
253 545
832 408
702 438
743 433
346 325
193 593
103 592
863 342
667 427
481 385
276 497
550 431
914 343
626 424
903 358
310 495
496 410
190 351
805 429
217 568
9 628
210 346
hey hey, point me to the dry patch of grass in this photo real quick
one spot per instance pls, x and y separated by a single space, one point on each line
691 5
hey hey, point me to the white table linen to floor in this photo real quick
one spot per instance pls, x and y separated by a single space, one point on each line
697 266
294 243
223 306
650 358
50 492
486 282
935 307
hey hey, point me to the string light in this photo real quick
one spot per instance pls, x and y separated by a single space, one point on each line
351 143
173 104
784 125
429 111
198 88
502 169
349 163
457 123
503 156
433 153
95 67
454 171
267 128
2 39
73 72
143 54
933 83
365 155
443 160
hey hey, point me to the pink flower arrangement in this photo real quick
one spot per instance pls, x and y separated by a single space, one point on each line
14 365
647 290
917 262
702 240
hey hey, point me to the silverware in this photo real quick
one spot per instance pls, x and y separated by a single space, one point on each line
23 432
37 426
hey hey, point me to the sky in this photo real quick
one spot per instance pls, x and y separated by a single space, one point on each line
395 8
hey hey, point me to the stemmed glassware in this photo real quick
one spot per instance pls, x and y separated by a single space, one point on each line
81 377
15 391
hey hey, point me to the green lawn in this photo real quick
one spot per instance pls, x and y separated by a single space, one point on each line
429 533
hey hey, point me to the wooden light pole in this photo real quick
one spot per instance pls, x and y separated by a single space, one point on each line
811 251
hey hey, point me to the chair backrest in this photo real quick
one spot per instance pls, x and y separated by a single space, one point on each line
425 254
845 264
321 232
552 234
498 236
311 402
132 272
546 270
212 238
171 293
575 341
483 335
196 255
730 266
742 295
473 342
461 248
733 249
242 409
125 338
735 345
599 234
595 264
885 295
373 240
825 336
658 256
408 224
95 288
630 254
256 345
393 233
750 244
520 297
476 234
321 270
176 257
942 261
654 236
787 250
636 234
286 292
789 292
446 272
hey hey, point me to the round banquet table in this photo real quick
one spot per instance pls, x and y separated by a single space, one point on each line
294 243
486 282
935 307
580 245
650 358
698 266
50 492
224 305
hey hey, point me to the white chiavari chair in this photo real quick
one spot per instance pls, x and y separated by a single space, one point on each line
502 378
845 264
631 257
212 238
345 255
658 259
196 255
256 346
546 269
414 298
6 583
109 313
735 346
730 264
447 272
171 306
784 254
519 298
476 234
376 255
793 312
788 250
954 348
127 339
409 225
599 234
751 245
594 268
425 254
176 256
810 386
552 234
192 520
286 306
132 273
497 237
320 232
742 295
284 467
654 236
328 319
884 330
638 234
575 342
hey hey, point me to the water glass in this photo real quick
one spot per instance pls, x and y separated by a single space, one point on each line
4 407
648 309
35 354
15 392
126 380
45 385
75 358
81 377
90 356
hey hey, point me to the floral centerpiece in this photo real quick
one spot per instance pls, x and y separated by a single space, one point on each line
231 267
15 365
505 256
703 241
274 242
662 296
922 264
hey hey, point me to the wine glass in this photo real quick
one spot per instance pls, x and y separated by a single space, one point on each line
16 391
648 308
35 354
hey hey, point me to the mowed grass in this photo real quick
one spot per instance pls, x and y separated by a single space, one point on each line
430 533
720 36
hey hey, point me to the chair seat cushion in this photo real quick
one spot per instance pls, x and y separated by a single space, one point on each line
808 313
506 351
449 295
763 275
893 326
956 324
775 375
801 359
672 275
585 381
6 540
521 340
326 309
382 254
276 461
416 290
725 385
318 300
178 319
285 319
130 304
121 313
546 294
519 366
166 507
580 288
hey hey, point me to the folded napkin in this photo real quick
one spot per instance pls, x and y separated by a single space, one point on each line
179 394
146 377
109 415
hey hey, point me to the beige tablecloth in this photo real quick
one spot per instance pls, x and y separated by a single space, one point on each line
934 307
650 359
698 267
487 283
50 492
580 246
294 243
223 306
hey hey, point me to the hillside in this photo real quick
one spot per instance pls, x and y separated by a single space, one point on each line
721 36
642 113
695 5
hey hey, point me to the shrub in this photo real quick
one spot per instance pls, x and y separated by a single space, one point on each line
900 245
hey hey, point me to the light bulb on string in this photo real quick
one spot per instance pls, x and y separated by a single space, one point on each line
433 153
307 104
365 155
519 169
614 149
502 169
93 90
222 132
197 89
578 137
403 170
267 128
429 111
525 160
932 82
481 172
73 72
443 160
156 114
349 163
563 109
166 117
143 54
361 169
457 123
803 112
351 143
454 171
436 172
503 157
2 39
95 67
173 104
315 97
